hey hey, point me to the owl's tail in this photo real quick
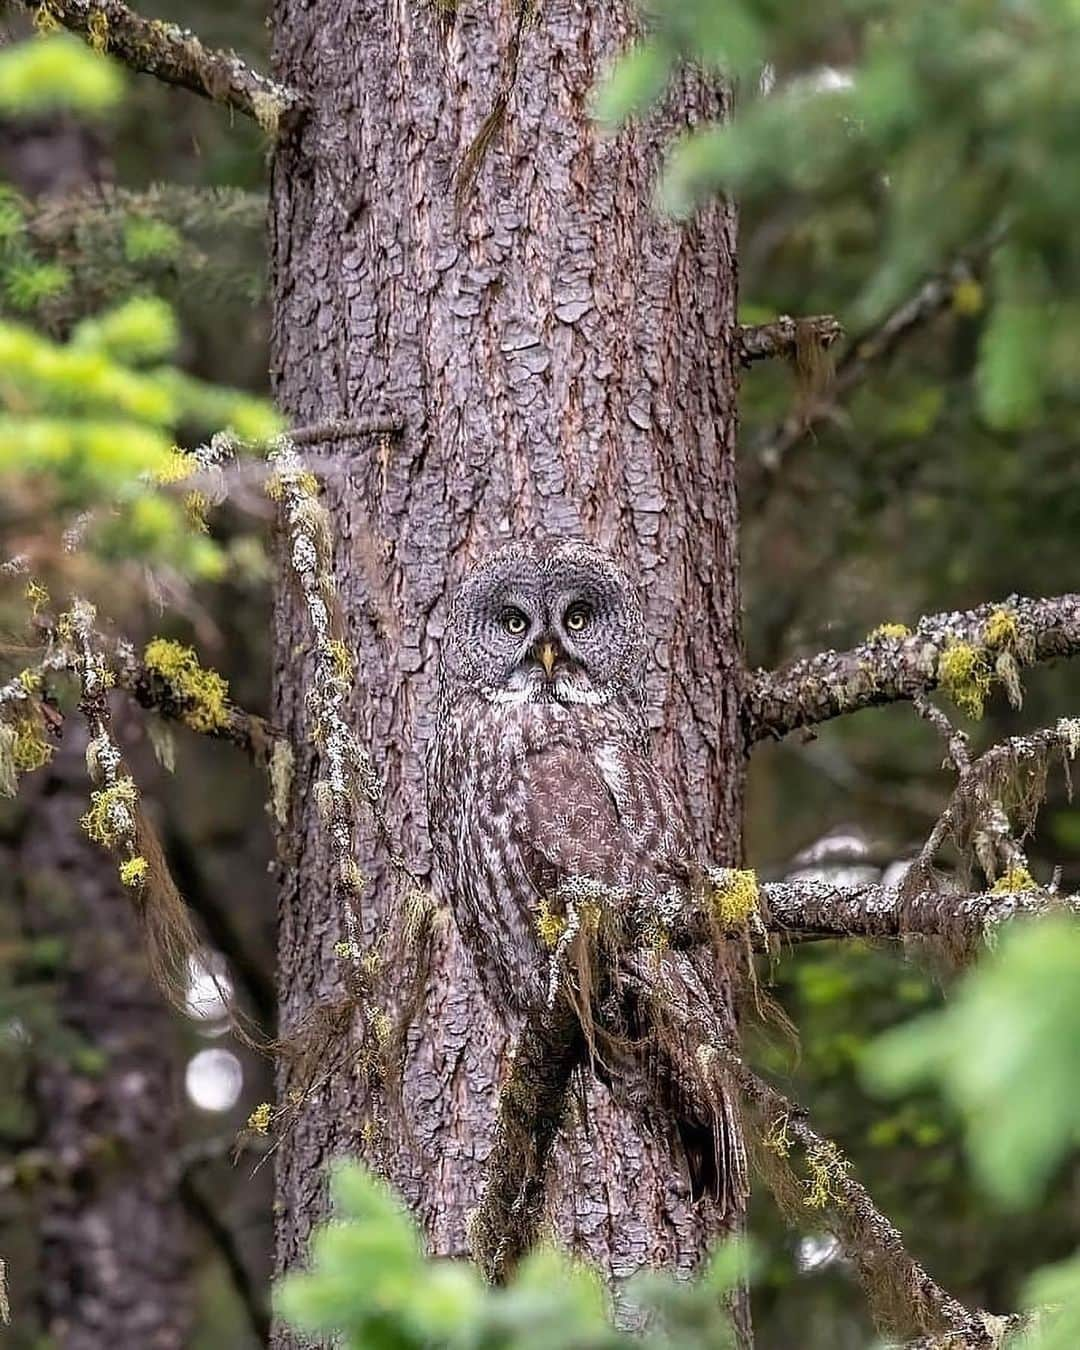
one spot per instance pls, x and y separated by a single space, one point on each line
676 1032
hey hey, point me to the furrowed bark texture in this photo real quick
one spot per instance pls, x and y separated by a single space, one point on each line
563 362
114 1240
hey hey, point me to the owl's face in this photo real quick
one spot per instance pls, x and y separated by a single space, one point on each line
560 624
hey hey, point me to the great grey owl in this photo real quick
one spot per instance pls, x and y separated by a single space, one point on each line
539 774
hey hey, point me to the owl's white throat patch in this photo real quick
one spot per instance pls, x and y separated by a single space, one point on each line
529 687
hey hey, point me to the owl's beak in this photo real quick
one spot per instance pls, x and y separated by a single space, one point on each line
547 653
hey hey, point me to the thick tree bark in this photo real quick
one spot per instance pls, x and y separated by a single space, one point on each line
563 360
114 1241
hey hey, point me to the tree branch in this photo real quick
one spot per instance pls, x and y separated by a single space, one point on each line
784 336
247 731
174 55
871 1241
248 1291
931 298
886 669
819 909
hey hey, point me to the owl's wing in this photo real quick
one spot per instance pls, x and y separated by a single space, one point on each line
609 814
606 813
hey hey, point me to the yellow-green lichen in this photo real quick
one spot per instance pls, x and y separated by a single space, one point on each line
281 776
827 1167
964 675
345 950
344 665
777 1140
97 31
418 910
30 680
9 780
351 877
967 297
45 21
893 631
177 467
1017 878
110 818
36 595
734 896
549 925
201 692
196 505
381 1027
259 1120
1002 630
133 871
267 110
28 747
306 483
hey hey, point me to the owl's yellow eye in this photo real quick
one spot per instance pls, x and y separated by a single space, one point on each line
577 618
514 622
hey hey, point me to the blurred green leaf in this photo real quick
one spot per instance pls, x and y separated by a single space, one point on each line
57 72
1006 1053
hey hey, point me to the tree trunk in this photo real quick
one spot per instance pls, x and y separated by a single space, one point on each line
562 357
114 1253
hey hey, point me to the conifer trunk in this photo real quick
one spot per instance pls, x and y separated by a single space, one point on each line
563 361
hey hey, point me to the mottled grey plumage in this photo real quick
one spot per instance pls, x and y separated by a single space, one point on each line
539 772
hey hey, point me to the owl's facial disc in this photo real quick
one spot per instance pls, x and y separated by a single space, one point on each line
556 625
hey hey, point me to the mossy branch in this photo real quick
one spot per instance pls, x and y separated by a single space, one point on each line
178 692
174 55
118 823
905 1296
1009 778
887 668
806 910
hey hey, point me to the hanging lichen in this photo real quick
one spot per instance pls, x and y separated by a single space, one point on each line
827 1166
281 776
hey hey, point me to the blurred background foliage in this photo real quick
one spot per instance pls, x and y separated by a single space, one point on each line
892 155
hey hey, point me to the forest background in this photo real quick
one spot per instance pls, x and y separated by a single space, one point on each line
922 477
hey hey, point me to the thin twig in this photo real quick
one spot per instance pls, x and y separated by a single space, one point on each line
864 354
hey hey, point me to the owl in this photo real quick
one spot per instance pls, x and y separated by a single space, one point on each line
539 775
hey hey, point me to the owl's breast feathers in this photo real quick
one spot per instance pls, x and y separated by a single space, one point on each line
525 797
